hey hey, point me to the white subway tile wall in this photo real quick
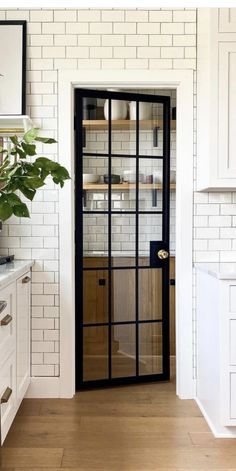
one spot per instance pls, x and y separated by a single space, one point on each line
99 39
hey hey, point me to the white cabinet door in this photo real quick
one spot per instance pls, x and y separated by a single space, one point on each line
7 320
23 335
7 393
216 66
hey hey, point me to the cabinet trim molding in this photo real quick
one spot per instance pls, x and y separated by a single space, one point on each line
216 100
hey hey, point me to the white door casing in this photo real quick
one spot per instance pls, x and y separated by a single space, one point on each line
182 81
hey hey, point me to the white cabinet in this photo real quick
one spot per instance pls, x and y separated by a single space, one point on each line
216 99
7 393
7 320
14 348
216 349
23 336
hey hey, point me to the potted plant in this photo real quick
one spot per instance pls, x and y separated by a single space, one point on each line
22 173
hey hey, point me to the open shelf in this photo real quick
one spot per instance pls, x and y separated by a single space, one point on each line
126 124
126 186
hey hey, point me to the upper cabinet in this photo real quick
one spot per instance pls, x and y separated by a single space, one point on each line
216 99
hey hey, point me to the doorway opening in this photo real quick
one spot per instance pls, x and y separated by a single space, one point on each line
125 236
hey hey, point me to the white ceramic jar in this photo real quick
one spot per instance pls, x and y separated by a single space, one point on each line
145 110
119 109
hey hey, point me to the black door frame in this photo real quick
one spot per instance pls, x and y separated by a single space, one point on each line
165 100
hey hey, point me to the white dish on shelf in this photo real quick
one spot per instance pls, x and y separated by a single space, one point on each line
129 176
90 178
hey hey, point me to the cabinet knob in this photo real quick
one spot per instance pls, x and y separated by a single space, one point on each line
102 282
3 305
6 320
26 279
6 396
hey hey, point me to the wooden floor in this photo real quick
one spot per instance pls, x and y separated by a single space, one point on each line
133 428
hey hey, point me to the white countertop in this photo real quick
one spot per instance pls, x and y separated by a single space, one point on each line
11 271
218 271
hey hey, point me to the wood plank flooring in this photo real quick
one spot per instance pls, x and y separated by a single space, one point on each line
132 428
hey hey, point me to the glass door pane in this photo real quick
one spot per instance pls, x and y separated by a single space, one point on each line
122 209
95 127
151 128
123 351
123 126
95 353
150 349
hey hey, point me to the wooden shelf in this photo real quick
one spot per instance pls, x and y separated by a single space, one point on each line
126 186
126 124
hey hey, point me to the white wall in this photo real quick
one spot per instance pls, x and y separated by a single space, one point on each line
97 39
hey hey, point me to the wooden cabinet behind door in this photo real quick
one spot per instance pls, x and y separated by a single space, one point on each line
96 297
95 304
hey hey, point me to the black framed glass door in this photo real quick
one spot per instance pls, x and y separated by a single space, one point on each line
122 152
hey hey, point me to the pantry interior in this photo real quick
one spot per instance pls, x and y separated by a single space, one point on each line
95 243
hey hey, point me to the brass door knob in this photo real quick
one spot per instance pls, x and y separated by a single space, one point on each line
162 254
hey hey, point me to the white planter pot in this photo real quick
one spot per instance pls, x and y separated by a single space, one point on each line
145 110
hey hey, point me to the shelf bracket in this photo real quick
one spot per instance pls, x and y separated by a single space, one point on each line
155 136
84 136
154 197
84 198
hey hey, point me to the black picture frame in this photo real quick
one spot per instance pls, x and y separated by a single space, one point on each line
22 24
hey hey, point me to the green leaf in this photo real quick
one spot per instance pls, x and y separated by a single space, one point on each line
57 181
29 149
12 199
46 164
14 139
30 169
21 210
27 192
5 209
46 140
21 153
33 182
30 135
12 171
44 174
62 173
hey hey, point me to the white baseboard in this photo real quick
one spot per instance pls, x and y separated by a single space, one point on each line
43 387
218 432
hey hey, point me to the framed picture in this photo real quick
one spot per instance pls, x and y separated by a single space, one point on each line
12 67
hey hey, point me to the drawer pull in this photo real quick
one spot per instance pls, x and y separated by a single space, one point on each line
3 305
6 320
6 396
26 279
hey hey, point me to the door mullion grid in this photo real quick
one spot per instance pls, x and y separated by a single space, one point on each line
79 240
165 238
137 241
109 242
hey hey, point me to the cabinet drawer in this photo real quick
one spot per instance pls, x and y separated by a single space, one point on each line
7 393
7 319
